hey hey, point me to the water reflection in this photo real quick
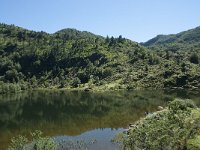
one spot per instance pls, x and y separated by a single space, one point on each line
73 113
97 139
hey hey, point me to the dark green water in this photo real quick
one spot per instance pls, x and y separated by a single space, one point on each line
69 116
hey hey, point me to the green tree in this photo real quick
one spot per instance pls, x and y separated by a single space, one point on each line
194 58
75 82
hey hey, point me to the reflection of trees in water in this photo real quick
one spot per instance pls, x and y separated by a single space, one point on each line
20 109
72 113
11 107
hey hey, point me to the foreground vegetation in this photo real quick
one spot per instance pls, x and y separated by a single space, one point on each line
73 59
176 127
37 142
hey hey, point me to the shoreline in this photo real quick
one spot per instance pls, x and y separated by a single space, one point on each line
97 89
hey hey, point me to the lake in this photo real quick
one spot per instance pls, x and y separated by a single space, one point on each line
68 117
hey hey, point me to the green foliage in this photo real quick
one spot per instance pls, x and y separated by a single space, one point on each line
171 128
75 82
191 36
17 143
194 144
63 59
37 142
194 58
11 87
69 57
180 105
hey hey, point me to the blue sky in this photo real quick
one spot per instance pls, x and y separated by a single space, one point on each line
138 20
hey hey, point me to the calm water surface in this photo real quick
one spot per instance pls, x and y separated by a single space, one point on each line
79 116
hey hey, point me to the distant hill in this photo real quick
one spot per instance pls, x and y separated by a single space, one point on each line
74 59
186 37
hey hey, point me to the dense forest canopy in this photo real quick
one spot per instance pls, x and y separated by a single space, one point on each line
74 59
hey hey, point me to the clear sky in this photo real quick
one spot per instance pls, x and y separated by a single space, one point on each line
138 20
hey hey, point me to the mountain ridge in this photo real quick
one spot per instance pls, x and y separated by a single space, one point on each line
170 38
74 59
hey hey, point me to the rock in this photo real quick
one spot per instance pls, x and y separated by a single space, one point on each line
146 113
132 126
160 108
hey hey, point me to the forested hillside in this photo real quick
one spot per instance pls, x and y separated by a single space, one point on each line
73 59
185 44
187 40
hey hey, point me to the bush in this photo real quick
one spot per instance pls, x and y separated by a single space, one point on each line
165 130
75 82
37 142
9 88
180 105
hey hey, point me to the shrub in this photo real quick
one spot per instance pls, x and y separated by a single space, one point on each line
75 82
165 130
180 105
37 142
